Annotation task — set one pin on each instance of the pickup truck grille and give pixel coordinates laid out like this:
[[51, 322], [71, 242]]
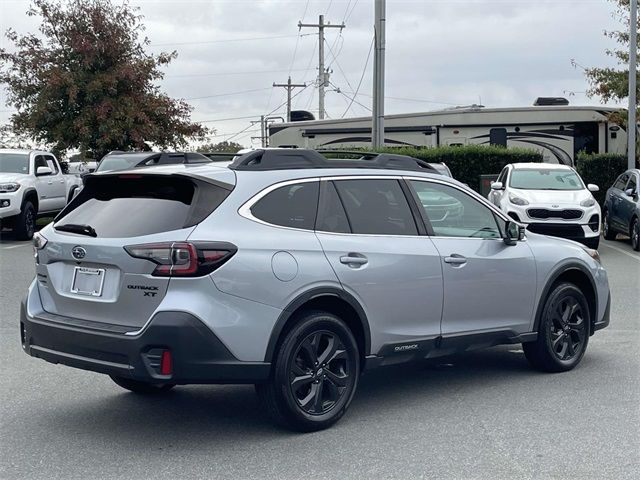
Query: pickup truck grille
[[543, 213]]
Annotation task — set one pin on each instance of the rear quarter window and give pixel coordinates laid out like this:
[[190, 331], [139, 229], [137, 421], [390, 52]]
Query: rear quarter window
[[293, 206]]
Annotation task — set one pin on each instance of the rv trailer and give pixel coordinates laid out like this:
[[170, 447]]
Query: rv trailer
[[557, 130]]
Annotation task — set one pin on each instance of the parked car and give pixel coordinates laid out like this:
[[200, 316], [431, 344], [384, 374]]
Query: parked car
[[32, 185], [549, 199], [296, 273], [622, 208], [114, 161]]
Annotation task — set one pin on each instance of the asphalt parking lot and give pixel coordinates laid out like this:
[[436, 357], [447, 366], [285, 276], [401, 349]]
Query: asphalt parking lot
[[481, 415]]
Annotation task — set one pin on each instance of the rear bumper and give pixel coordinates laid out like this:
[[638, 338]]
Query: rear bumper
[[198, 355]]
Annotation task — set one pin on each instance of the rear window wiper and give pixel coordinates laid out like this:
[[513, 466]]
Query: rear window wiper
[[87, 230]]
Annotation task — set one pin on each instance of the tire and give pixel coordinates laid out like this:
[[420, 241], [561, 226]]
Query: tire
[[593, 243], [25, 225], [563, 331], [323, 390], [144, 388], [607, 232], [635, 234]]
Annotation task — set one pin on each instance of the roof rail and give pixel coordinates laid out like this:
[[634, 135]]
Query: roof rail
[[285, 159]]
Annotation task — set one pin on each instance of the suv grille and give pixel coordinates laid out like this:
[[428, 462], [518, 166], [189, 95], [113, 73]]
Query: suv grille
[[543, 213]]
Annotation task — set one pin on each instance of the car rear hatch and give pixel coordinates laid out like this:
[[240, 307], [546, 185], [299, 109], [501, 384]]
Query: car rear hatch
[[111, 252]]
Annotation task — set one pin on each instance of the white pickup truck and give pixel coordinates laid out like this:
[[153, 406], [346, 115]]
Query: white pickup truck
[[32, 185]]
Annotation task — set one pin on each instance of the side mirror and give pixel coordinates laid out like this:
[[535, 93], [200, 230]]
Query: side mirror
[[497, 186], [512, 233], [40, 171], [629, 192], [593, 188]]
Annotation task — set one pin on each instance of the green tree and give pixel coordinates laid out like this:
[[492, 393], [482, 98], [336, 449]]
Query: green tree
[[613, 83], [225, 146], [86, 81]]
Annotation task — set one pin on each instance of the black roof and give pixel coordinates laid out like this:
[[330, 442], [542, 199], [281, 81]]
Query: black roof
[[286, 158]]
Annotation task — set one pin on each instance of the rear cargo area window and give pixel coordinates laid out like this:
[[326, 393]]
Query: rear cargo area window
[[292, 206], [133, 205]]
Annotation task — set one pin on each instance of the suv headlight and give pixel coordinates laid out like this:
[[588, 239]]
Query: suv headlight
[[589, 202], [9, 187], [518, 200]]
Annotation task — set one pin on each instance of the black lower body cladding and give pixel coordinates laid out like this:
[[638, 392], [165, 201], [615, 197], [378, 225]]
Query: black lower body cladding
[[198, 356]]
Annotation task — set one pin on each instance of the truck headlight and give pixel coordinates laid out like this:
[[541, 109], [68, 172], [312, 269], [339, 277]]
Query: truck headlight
[[589, 202], [9, 187], [517, 200]]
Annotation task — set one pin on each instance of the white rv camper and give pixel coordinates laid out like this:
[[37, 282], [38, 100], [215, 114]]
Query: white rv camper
[[558, 131]]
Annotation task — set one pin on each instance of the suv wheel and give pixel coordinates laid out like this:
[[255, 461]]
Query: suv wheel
[[635, 234], [607, 231], [315, 374], [25, 225], [146, 388], [563, 331]]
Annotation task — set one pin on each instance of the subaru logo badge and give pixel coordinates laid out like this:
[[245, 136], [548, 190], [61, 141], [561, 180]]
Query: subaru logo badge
[[78, 252]]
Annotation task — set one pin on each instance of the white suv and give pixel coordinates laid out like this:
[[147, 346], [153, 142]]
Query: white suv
[[549, 199]]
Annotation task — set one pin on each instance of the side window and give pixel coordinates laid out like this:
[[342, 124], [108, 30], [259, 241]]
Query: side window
[[292, 206], [39, 162], [331, 214], [633, 184], [52, 164], [621, 182], [453, 213], [376, 207]]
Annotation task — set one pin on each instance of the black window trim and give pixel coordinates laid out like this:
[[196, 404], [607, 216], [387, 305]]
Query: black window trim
[[498, 214]]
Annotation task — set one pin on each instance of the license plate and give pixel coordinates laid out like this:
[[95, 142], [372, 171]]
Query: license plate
[[87, 281]]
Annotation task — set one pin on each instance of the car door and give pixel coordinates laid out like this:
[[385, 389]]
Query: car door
[[58, 184], [617, 199], [627, 205], [45, 187], [371, 239], [488, 285]]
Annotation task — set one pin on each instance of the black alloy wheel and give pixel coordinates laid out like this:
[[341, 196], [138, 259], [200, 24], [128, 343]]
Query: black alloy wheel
[[319, 372], [607, 231], [315, 373], [635, 235], [567, 329], [563, 330]]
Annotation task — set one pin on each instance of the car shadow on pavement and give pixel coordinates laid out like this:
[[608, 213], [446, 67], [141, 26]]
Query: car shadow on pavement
[[206, 414]]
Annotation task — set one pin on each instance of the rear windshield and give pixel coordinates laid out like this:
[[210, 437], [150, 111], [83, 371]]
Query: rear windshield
[[545, 179], [122, 162], [130, 206]]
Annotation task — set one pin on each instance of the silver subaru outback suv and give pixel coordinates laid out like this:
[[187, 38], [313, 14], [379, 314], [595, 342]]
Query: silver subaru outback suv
[[297, 272]]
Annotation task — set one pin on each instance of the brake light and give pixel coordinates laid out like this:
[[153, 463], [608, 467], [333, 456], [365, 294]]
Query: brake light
[[183, 259]]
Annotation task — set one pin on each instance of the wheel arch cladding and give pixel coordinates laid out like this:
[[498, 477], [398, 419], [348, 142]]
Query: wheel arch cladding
[[578, 275], [31, 196], [331, 300]]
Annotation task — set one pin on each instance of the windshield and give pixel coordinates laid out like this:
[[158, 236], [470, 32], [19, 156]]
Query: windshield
[[14, 162], [546, 179]]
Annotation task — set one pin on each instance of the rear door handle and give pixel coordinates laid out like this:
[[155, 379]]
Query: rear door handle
[[354, 260], [455, 259]]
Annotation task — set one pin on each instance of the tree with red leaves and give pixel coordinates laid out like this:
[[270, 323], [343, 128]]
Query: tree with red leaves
[[86, 82]]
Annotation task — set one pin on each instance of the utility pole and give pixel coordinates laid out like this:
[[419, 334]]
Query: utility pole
[[263, 128], [633, 74], [323, 75], [377, 137], [289, 86]]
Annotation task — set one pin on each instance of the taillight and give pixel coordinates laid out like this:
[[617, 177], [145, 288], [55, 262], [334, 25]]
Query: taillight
[[183, 259]]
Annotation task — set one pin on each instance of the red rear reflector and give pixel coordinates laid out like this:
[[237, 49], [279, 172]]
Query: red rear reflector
[[166, 363]]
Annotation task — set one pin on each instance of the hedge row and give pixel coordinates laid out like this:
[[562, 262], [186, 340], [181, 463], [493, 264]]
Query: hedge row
[[467, 163], [601, 169]]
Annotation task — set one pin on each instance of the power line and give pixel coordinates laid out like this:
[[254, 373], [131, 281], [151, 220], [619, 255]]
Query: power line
[[248, 39], [295, 50], [420, 100], [352, 9], [364, 70], [216, 74], [229, 94], [306, 70]]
